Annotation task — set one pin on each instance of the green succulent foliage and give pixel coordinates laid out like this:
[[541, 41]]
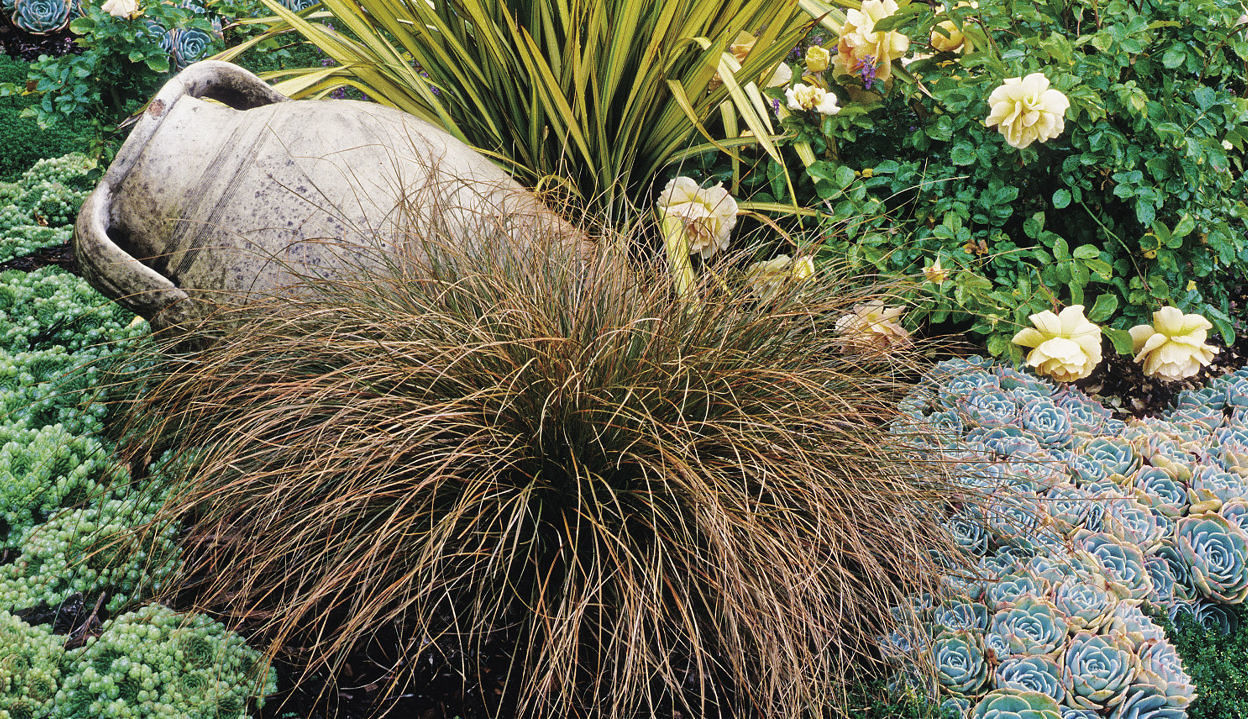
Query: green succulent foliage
[[50, 308], [156, 663], [1138, 203], [45, 470], [104, 547], [38, 210], [30, 667]]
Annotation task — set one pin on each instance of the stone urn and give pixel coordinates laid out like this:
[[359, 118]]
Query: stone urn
[[226, 189]]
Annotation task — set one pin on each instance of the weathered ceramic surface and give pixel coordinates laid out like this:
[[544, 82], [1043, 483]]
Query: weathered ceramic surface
[[226, 189]]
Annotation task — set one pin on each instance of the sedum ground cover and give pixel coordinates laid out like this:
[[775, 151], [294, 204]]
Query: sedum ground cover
[[1097, 533], [69, 511]]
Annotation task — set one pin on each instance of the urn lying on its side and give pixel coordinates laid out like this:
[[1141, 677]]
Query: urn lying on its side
[[227, 189]]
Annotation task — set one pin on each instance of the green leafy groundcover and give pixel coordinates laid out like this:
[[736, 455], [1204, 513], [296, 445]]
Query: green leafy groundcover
[[23, 141], [1094, 535], [68, 511]]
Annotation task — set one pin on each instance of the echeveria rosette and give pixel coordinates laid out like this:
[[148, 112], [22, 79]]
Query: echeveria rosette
[[961, 666], [1012, 588], [1072, 509], [1144, 701], [1015, 516], [955, 706], [1161, 667], [1212, 483], [41, 17], [1217, 555], [1016, 704], [1048, 423], [1032, 674], [1069, 712], [1065, 346], [1097, 670], [1122, 564], [1216, 618], [1155, 488], [1031, 626], [1116, 455], [1132, 624], [1235, 512], [1184, 587], [190, 45], [1135, 524], [991, 409], [955, 614], [1086, 601], [969, 531]]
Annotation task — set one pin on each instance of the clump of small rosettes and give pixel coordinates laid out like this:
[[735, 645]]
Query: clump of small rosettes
[[39, 209], [45, 470], [1086, 529], [154, 662], [107, 547], [30, 668]]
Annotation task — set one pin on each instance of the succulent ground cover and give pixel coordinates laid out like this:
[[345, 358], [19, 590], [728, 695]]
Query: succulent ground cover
[[1095, 532], [76, 637]]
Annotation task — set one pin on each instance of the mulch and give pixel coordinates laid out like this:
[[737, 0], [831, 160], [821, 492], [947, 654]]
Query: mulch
[[16, 43]]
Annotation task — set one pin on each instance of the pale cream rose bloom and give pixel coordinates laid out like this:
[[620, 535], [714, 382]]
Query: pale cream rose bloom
[[125, 9], [873, 326], [767, 277], [949, 37], [1064, 346], [708, 214], [1173, 347], [863, 52], [809, 97], [935, 273], [817, 59], [1026, 109], [740, 50]]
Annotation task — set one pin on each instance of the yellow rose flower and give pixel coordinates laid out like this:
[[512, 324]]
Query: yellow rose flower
[[1026, 109], [125, 9], [1173, 347], [707, 214], [872, 326], [817, 59], [947, 36], [935, 273], [1065, 346], [865, 53], [740, 50], [809, 97], [766, 278]]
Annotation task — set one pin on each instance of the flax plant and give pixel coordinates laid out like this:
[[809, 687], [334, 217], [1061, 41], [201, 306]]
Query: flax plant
[[602, 94], [653, 508]]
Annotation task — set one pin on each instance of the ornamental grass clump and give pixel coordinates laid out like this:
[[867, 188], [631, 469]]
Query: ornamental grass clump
[[648, 506]]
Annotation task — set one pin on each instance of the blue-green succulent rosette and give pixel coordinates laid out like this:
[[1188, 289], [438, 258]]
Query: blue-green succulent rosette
[[1032, 674], [1235, 512], [954, 707], [1097, 670], [1132, 624], [1016, 516], [1072, 509], [1016, 704], [1086, 602], [1161, 667], [1159, 491], [1208, 481], [1100, 458], [1048, 423], [1031, 626], [191, 44], [990, 409], [1121, 564], [1136, 524], [1069, 712], [1184, 587], [40, 17], [960, 663], [1013, 588], [960, 614], [969, 531], [1144, 701], [1217, 555], [1216, 618]]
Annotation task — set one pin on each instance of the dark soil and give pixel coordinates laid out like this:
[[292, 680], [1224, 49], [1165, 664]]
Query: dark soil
[[16, 43]]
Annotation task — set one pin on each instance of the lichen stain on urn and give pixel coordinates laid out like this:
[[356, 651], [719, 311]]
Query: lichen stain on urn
[[227, 190]]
